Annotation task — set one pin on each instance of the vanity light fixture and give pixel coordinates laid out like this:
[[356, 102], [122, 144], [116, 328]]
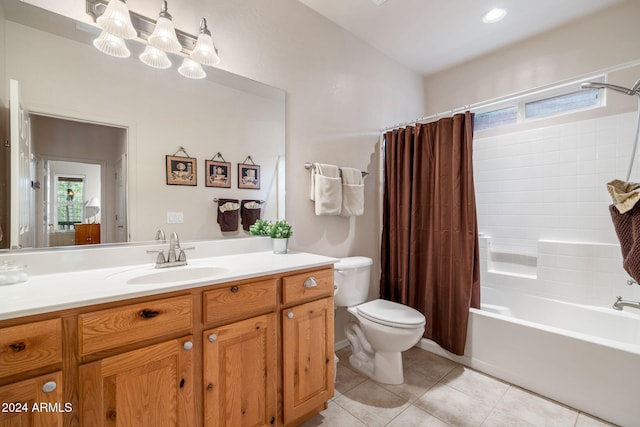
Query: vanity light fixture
[[159, 37], [494, 15], [164, 34]]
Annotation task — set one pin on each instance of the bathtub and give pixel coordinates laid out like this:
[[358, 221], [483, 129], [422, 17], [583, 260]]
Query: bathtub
[[585, 357]]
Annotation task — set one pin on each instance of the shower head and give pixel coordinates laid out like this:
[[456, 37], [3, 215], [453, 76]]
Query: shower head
[[598, 85]]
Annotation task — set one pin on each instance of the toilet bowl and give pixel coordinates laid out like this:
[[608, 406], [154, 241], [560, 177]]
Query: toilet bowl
[[379, 330]]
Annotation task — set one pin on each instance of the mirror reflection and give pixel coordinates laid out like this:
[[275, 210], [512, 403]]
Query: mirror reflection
[[101, 127]]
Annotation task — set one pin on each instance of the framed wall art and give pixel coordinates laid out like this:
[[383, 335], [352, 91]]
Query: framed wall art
[[181, 170], [249, 174], [218, 173]]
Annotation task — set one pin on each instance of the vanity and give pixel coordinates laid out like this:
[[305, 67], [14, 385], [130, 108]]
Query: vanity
[[231, 339]]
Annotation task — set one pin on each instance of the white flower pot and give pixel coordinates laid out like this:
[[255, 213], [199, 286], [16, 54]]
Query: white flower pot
[[280, 245]]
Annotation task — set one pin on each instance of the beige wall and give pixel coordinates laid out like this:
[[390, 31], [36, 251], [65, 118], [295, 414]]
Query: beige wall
[[590, 44], [340, 93]]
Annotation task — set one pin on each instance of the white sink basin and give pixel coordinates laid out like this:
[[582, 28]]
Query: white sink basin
[[183, 274]]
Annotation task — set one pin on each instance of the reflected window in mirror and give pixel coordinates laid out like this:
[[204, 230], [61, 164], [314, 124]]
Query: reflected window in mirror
[[69, 209]]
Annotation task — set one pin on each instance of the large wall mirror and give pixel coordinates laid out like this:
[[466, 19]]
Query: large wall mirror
[[99, 129]]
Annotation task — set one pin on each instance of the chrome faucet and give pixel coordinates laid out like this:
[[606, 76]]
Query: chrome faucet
[[176, 255], [160, 235], [620, 304]]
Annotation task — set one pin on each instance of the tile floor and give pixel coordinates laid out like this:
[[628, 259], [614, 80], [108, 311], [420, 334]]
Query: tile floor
[[438, 392]]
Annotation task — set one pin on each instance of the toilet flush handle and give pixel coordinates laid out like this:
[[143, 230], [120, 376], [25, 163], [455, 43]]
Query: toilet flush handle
[[310, 282]]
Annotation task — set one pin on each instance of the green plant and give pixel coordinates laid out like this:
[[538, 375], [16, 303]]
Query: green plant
[[260, 228], [280, 230]]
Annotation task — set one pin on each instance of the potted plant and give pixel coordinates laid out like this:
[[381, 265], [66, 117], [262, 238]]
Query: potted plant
[[280, 231], [260, 228]]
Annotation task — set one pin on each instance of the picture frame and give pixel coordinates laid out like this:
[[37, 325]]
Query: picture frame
[[248, 176], [218, 174], [181, 171]]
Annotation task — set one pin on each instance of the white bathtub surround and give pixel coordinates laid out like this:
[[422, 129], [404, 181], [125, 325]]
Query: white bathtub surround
[[583, 356], [69, 278]]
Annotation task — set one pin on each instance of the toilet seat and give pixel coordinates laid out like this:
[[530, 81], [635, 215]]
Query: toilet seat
[[391, 313]]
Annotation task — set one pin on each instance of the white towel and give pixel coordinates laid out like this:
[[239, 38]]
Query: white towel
[[352, 192], [326, 189], [624, 195], [229, 206]]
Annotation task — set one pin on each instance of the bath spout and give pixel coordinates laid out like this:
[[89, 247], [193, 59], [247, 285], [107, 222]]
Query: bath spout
[[620, 304]]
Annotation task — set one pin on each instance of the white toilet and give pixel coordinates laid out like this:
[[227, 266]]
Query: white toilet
[[379, 330]]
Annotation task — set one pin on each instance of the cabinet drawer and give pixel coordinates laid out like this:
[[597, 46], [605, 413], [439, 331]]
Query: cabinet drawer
[[307, 286], [235, 302], [30, 346], [110, 328]]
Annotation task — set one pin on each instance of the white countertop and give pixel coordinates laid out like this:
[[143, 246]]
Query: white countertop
[[51, 292]]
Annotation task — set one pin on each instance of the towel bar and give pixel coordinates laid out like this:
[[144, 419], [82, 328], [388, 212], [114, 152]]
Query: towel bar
[[310, 165], [260, 201]]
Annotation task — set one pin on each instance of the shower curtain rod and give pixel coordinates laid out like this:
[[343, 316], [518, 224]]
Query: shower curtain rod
[[512, 96]]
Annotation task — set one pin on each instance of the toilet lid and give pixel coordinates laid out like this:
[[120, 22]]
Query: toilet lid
[[391, 313]]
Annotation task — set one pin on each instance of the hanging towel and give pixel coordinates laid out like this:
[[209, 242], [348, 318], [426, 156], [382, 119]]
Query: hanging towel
[[624, 194], [326, 188], [228, 214], [352, 192], [249, 213], [627, 226]]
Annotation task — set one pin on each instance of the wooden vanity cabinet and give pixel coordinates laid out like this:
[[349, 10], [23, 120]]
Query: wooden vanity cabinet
[[32, 400], [240, 373], [307, 344], [254, 352], [148, 387], [240, 355]]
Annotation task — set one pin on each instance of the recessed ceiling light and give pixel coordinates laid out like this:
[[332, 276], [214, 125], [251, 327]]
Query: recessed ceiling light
[[494, 15], [378, 2]]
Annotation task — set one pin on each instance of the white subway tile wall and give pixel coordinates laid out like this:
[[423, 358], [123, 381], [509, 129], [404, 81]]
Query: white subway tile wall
[[543, 209]]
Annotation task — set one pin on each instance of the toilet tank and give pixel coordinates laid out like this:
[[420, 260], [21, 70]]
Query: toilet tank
[[352, 277]]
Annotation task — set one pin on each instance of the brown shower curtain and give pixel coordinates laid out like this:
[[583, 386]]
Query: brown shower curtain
[[430, 253]]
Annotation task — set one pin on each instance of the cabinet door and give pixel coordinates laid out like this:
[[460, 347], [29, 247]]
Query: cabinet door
[[307, 357], [240, 373], [149, 387], [36, 402]]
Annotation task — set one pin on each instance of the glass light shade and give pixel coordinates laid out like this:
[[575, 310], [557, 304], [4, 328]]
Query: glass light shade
[[204, 52], [191, 69], [116, 20], [111, 45], [164, 36], [154, 57]]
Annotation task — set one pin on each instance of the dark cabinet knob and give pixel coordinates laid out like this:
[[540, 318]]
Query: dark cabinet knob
[[148, 314]]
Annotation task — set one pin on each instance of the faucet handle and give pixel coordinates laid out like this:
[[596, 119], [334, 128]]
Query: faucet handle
[[160, 259], [182, 256]]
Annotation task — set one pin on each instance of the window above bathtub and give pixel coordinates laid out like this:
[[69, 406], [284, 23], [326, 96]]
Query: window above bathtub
[[540, 104]]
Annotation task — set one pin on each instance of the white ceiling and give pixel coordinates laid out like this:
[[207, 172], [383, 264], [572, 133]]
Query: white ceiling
[[431, 35]]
